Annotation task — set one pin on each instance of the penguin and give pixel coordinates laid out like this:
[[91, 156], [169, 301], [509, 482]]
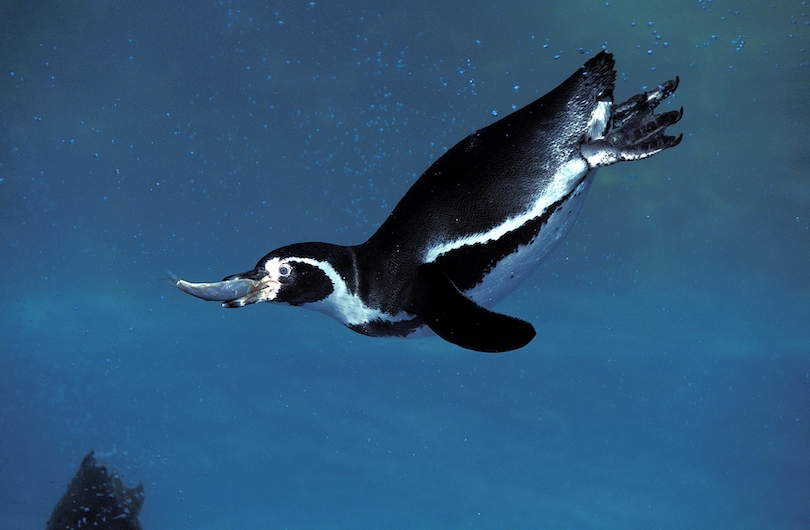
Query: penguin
[[473, 226]]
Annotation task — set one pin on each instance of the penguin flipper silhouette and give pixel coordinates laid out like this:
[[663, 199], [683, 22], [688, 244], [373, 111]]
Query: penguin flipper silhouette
[[459, 320]]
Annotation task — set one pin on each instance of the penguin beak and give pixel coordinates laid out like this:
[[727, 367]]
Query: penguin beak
[[238, 290]]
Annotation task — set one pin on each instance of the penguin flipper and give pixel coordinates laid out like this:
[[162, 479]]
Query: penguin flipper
[[459, 320]]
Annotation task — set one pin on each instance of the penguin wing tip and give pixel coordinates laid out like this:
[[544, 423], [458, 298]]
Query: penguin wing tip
[[521, 335], [459, 320]]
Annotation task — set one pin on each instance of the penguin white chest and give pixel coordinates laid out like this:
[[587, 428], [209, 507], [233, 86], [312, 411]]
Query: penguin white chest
[[519, 243], [508, 272]]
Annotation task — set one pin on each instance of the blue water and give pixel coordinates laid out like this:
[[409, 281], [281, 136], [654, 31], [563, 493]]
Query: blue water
[[668, 386]]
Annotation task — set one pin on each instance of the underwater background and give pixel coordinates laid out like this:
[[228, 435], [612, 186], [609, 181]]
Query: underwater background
[[668, 386]]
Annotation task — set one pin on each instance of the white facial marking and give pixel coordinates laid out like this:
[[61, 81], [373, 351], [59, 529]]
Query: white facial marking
[[269, 285], [341, 304], [273, 267]]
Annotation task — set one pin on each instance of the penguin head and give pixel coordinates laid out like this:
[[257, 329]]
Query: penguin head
[[295, 275]]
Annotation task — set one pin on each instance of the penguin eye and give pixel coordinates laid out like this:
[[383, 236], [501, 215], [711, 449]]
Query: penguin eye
[[284, 270]]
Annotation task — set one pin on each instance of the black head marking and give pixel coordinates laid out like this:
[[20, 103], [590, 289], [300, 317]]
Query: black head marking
[[307, 272], [302, 283]]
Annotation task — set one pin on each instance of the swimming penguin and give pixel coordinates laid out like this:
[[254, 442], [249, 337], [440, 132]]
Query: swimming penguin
[[473, 226]]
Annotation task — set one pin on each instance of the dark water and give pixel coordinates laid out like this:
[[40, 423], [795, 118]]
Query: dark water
[[668, 387]]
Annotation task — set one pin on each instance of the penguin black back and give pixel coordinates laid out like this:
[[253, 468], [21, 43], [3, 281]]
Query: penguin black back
[[486, 179]]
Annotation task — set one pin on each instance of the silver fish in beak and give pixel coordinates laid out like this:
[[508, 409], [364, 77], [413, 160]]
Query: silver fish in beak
[[234, 291]]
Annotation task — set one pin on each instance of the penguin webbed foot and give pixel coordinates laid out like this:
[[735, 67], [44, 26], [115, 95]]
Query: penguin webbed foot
[[459, 320], [638, 132], [644, 102]]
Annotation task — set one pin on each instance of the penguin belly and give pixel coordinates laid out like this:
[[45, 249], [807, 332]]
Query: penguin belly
[[507, 273]]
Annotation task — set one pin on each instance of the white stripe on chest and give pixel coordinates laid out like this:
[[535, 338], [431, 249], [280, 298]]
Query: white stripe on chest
[[344, 306], [507, 274], [559, 186], [563, 181]]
